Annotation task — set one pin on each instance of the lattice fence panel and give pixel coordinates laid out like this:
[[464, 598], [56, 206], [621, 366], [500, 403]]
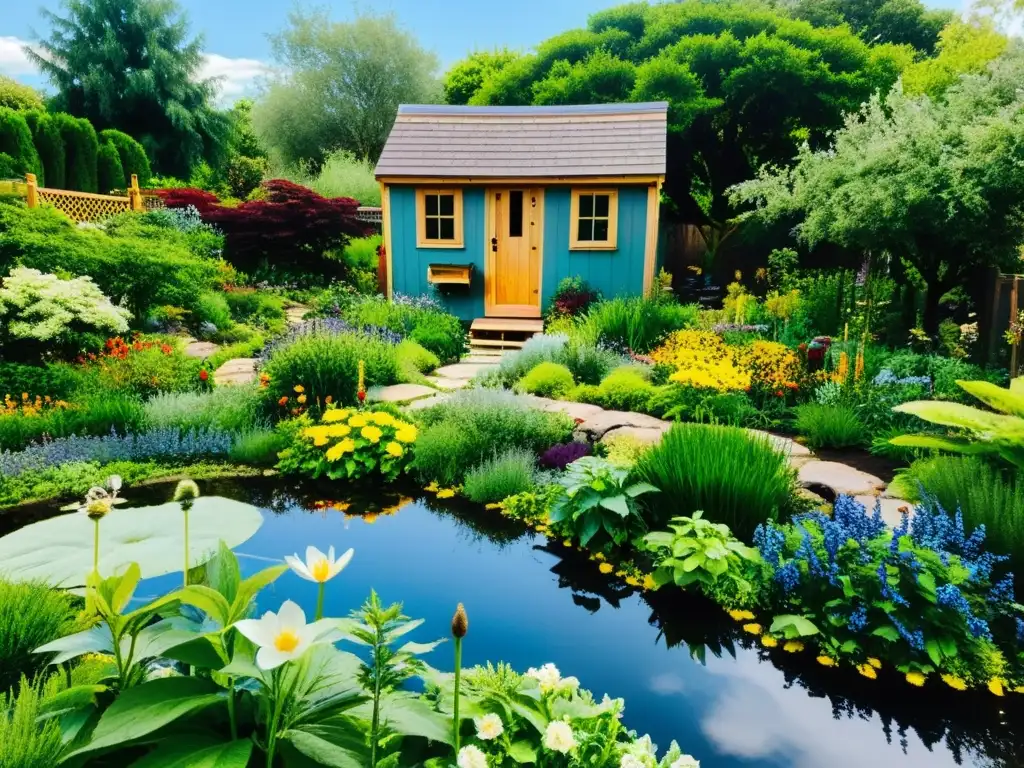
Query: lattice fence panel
[[152, 202], [81, 206]]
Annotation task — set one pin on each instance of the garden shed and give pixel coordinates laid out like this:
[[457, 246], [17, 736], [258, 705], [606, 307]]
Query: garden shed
[[495, 205]]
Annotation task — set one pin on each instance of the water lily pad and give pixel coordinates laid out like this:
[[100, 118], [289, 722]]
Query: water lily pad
[[59, 550]]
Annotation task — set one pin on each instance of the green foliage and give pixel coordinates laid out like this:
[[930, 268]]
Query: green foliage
[[258, 447], [343, 85], [588, 362], [26, 739], [414, 361], [31, 614], [830, 426], [599, 500], [16, 141], [159, 99], [735, 477], [231, 409], [505, 474], [132, 154], [255, 307], [90, 414], [328, 365], [903, 23], [213, 308], [426, 324], [81, 152], [965, 46], [636, 323], [547, 380], [465, 77], [464, 430], [144, 372], [48, 142], [978, 432], [624, 389], [110, 173], [8, 168], [57, 381], [18, 96], [344, 175]]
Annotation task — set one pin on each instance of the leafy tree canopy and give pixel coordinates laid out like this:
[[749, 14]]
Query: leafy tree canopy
[[465, 78], [963, 47], [340, 87], [746, 85], [938, 185], [129, 65], [905, 22], [15, 95]]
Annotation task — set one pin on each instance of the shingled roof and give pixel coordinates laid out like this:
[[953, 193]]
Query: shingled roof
[[555, 142]]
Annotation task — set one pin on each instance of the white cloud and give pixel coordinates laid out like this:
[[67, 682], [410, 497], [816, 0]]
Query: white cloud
[[237, 77], [13, 61]]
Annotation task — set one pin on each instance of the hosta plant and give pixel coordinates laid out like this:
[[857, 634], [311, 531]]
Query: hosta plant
[[999, 431], [597, 499], [350, 444]]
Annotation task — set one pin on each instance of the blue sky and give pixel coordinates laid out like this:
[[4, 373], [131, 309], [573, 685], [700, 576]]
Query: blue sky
[[235, 31]]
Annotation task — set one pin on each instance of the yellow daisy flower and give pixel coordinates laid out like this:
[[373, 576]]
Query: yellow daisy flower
[[741, 615], [826, 661], [373, 434], [868, 671], [446, 493], [954, 682], [606, 567], [406, 434], [339, 430], [995, 685], [358, 421], [394, 449], [301, 399], [768, 641], [916, 678], [754, 629], [382, 419], [338, 450], [792, 646], [335, 414], [299, 389]]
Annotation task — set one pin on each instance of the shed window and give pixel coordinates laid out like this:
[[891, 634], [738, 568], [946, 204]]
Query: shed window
[[439, 218], [594, 219]]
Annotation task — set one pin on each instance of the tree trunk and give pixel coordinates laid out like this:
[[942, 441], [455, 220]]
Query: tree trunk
[[930, 320]]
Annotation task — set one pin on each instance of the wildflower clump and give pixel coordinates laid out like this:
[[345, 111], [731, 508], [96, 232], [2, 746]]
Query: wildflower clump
[[350, 444], [702, 360], [772, 366]]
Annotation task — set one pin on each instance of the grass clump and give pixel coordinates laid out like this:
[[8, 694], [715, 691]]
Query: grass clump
[[547, 380], [624, 389], [414, 361], [31, 614], [503, 475], [638, 323], [258, 447], [25, 740], [830, 426], [735, 477], [234, 408]]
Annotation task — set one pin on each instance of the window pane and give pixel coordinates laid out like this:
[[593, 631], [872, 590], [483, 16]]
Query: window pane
[[447, 229], [601, 205], [586, 205], [585, 230], [600, 229], [447, 205], [515, 213], [432, 229], [431, 204]]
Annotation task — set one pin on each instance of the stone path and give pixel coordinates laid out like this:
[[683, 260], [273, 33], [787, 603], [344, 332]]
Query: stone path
[[200, 349], [294, 314], [241, 370]]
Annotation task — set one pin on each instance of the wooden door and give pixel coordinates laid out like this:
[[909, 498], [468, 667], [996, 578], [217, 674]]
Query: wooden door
[[515, 233]]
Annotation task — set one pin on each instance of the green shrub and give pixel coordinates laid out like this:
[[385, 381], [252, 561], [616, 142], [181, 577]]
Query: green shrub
[[328, 365], [343, 175], [31, 614], [547, 380], [468, 427], [16, 141], [234, 333], [81, 149], [8, 170], [830, 426], [93, 414], [18, 96], [442, 334], [27, 738], [636, 323], [132, 154], [422, 321], [676, 402], [145, 372], [212, 308], [249, 348], [50, 146], [505, 474], [56, 381], [258, 447], [735, 477], [361, 252], [231, 408], [256, 308], [109, 170], [414, 361], [624, 389]]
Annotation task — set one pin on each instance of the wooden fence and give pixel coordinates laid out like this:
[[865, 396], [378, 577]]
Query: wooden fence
[[81, 206]]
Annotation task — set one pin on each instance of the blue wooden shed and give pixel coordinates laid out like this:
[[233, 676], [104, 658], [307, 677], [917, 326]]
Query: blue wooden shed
[[495, 205]]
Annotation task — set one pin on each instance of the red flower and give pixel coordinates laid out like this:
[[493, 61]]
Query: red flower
[[780, 393], [167, 349], [578, 420], [361, 395], [203, 375]]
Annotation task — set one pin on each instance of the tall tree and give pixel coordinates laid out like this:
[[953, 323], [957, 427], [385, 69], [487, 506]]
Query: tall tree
[[340, 86], [936, 185], [130, 65], [965, 46], [15, 95], [905, 22], [465, 78], [746, 85]]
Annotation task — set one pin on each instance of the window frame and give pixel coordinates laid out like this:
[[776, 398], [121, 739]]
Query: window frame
[[609, 244], [421, 218]]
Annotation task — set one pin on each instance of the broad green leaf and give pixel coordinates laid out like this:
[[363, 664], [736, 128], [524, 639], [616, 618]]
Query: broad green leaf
[[887, 633], [338, 743], [693, 562], [956, 415], [146, 708], [591, 525], [126, 588], [71, 698], [223, 573], [203, 652], [175, 754], [243, 662], [157, 638], [659, 539], [95, 640], [522, 752], [59, 550], [950, 444], [1003, 400], [639, 488], [616, 504], [948, 646], [419, 648], [210, 601], [249, 588], [927, 582], [405, 629], [792, 626], [931, 647], [848, 590], [716, 567], [410, 715]]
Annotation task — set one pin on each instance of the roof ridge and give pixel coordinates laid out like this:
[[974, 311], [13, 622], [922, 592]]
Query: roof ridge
[[556, 110]]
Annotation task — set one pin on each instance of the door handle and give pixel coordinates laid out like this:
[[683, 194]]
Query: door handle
[[494, 244]]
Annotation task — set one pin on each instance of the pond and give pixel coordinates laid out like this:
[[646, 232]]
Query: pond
[[530, 602]]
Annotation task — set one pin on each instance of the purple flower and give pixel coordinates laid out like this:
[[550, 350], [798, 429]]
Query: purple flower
[[562, 455]]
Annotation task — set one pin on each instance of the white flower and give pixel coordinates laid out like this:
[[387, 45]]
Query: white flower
[[488, 727], [471, 757], [548, 676], [318, 566], [114, 483], [570, 684], [630, 761], [617, 706], [558, 737], [284, 635], [686, 761], [644, 746]]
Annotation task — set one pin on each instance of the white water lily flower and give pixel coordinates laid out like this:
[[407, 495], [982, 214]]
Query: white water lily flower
[[318, 566], [548, 676], [488, 727], [686, 761], [558, 737], [282, 636], [471, 757]]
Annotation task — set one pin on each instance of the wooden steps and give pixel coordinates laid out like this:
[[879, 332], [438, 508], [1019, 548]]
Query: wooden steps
[[492, 335]]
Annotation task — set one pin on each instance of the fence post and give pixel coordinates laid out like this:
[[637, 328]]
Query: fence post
[[135, 194], [33, 190]]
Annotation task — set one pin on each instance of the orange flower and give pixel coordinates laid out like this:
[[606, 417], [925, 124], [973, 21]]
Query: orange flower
[[283, 401]]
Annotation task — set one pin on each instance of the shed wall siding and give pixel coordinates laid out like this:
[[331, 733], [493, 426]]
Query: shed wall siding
[[614, 273]]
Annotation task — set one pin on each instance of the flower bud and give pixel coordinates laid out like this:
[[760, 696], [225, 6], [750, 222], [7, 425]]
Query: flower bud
[[186, 490], [96, 509], [460, 622]]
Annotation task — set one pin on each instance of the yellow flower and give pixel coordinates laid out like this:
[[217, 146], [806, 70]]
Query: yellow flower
[[633, 581], [598, 556], [492, 505], [876, 663], [335, 414], [301, 399], [358, 420], [567, 543], [432, 487], [446, 493], [649, 582], [741, 615], [406, 434], [826, 661], [373, 434], [995, 685], [338, 430], [370, 518], [606, 567], [793, 646], [620, 574], [754, 629], [299, 389], [394, 449], [768, 641], [382, 419], [338, 450], [1019, 689], [954, 682], [868, 671], [916, 678], [318, 435]]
